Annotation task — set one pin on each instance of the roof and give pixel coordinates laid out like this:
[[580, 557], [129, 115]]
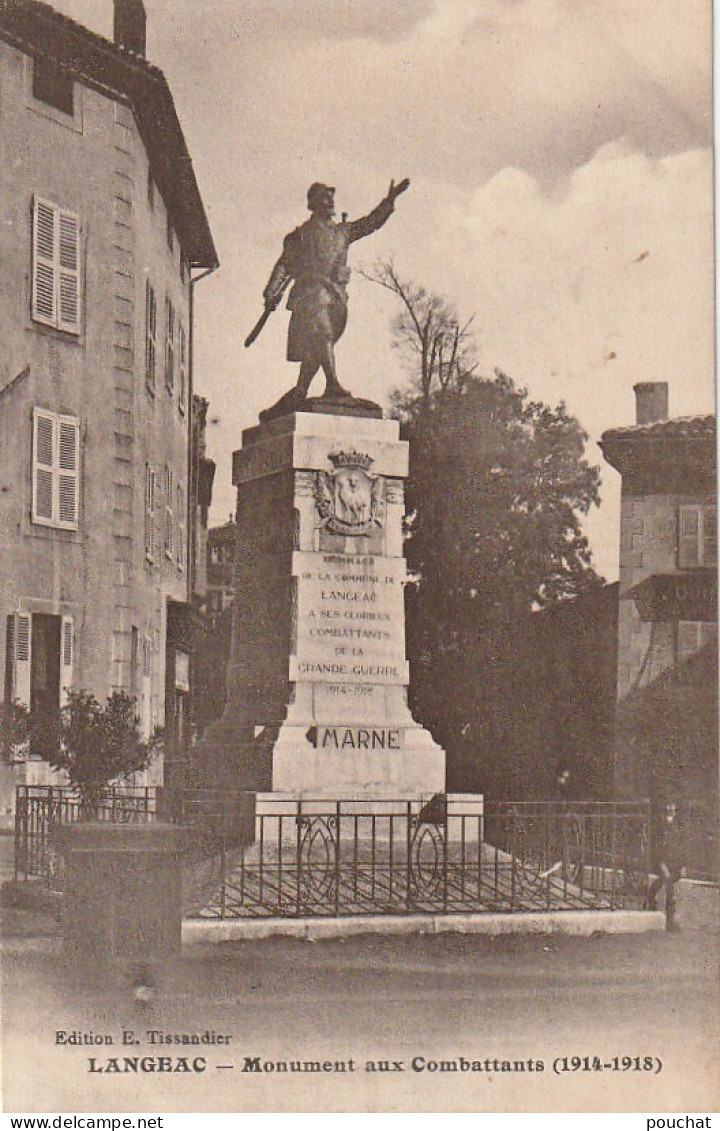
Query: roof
[[681, 427], [39, 30], [668, 455]]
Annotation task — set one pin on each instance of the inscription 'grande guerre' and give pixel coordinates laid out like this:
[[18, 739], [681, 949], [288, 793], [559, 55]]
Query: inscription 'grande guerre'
[[350, 499]]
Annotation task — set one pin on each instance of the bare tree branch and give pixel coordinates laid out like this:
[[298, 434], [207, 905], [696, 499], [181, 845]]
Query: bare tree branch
[[439, 349]]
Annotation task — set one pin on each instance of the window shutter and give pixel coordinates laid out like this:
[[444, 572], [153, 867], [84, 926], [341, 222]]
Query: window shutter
[[150, 335], [67, 658], [689, 537], [169, 345], [183, 369], [44, 305], [22, 646], [69, 272], [181, 546], [169, 519], [43, 466], [68, 472], [146, 703], [150, 488], [710, 548]]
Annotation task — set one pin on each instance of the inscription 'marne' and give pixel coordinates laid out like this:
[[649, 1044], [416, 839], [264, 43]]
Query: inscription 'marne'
[[358, 738]]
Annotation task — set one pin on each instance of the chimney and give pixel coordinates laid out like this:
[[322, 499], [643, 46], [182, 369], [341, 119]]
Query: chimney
[[129, 31], [651, 402]]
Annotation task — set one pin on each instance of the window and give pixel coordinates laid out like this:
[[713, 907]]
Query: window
[[56, 470], [697, 543], [150, 491], [181, 549], [56, 267], [182, 395], [150, 336], [169, 517], [40, 660], [169, 346], [53, 84], [692, 636]]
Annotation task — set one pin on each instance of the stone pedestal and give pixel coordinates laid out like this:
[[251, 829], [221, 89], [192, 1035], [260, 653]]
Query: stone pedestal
[[317, 678]]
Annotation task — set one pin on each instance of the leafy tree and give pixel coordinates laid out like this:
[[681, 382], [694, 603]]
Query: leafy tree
[[14, 730], [95, 745], [498, 484]]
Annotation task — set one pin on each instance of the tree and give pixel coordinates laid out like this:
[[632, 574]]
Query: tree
[[95, 745], [439, 350], [14, 731], [498, 484]]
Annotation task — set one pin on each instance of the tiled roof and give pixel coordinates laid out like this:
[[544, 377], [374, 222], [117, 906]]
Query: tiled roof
[[38, 29], [681, 427]]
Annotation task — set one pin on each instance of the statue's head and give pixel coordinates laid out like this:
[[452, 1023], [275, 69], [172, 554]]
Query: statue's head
[[321, 199]]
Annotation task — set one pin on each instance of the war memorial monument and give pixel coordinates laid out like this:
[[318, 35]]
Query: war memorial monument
[[317, 680]]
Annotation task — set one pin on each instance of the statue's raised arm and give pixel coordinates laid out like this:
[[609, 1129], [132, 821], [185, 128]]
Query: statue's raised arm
[[314, 260]]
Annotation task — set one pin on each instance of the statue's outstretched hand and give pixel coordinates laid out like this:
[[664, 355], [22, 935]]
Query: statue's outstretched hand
[[395, 190]]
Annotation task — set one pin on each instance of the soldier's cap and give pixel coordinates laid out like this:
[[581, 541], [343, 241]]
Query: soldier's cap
[[317, 193]]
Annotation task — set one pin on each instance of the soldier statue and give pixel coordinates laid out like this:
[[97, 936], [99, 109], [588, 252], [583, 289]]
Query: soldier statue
[[314, 258]]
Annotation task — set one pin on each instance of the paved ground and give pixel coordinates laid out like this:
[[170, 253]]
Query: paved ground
[[519, 999]]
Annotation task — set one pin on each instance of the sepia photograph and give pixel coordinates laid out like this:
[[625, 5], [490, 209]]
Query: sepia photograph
[[358, 558]]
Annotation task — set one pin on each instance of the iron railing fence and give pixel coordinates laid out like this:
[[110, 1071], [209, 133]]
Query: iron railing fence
[[39, 810], [319, 858]]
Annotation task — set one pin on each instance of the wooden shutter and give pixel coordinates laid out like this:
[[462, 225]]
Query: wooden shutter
[[44, 275], [150, 335], [146, 703], [181, 546], [689, 537], [150, 490], [68, 272], [169, 345], [43, 495], [709, 541], [67, 657], [68, 471], [21, 644], [182, 397], [169, 519]]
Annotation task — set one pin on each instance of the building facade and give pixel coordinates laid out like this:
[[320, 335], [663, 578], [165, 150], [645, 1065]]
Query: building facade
[[103, 237], [220, 567], [666, 718]]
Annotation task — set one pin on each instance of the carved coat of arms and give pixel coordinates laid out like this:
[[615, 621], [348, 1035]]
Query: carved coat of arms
[[350, 499]]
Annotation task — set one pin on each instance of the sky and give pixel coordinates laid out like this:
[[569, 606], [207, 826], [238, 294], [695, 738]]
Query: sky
[[560, 158]]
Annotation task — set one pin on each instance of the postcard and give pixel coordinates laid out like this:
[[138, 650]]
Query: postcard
[[359, 557]]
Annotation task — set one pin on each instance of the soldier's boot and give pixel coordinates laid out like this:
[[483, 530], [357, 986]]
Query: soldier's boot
[[307, 372], [333, 388]]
